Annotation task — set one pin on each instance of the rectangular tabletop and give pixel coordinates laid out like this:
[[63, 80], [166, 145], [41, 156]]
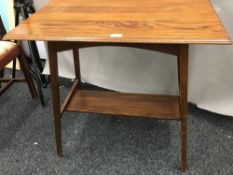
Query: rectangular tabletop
[[129, 21]]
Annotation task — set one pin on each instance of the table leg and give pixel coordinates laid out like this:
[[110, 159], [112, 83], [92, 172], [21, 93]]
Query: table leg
[[55, 95], [183, 88], [77, 66]]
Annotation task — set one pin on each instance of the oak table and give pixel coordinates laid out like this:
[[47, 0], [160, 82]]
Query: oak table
[[167, 26]]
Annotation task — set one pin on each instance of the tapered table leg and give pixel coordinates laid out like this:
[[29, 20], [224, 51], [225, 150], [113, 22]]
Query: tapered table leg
[[77, 64], [183, 88], [55, 95]]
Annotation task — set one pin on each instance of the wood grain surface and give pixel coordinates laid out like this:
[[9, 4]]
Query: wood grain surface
[[126, 104], [131, 21]]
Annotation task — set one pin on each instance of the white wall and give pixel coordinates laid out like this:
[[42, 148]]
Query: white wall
[[39, 3]]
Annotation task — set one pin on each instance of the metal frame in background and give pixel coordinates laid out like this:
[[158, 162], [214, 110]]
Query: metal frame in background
[[24, 8]]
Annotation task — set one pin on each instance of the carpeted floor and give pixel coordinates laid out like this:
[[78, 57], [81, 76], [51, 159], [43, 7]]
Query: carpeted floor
[[100, 145]]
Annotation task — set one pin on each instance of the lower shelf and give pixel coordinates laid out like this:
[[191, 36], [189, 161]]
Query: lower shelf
[[126, 104]]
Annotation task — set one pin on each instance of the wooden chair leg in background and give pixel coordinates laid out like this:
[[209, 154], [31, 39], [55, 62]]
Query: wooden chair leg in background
[[27, 74], [1, 75], [13, 68]]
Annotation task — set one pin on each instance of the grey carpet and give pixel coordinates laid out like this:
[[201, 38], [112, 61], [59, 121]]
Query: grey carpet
[[100, 145]]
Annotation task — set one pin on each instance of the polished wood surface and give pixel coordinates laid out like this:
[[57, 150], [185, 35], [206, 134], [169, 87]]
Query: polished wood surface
[[128, 21], [126, 104]]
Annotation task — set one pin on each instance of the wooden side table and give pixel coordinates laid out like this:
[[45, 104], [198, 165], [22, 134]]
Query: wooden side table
[[167, 26]]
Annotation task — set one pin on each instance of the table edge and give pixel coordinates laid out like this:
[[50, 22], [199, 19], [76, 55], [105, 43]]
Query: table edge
[[120, 40]]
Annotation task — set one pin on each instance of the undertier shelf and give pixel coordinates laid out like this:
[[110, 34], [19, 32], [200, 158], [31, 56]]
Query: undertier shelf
[[124, 104]]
